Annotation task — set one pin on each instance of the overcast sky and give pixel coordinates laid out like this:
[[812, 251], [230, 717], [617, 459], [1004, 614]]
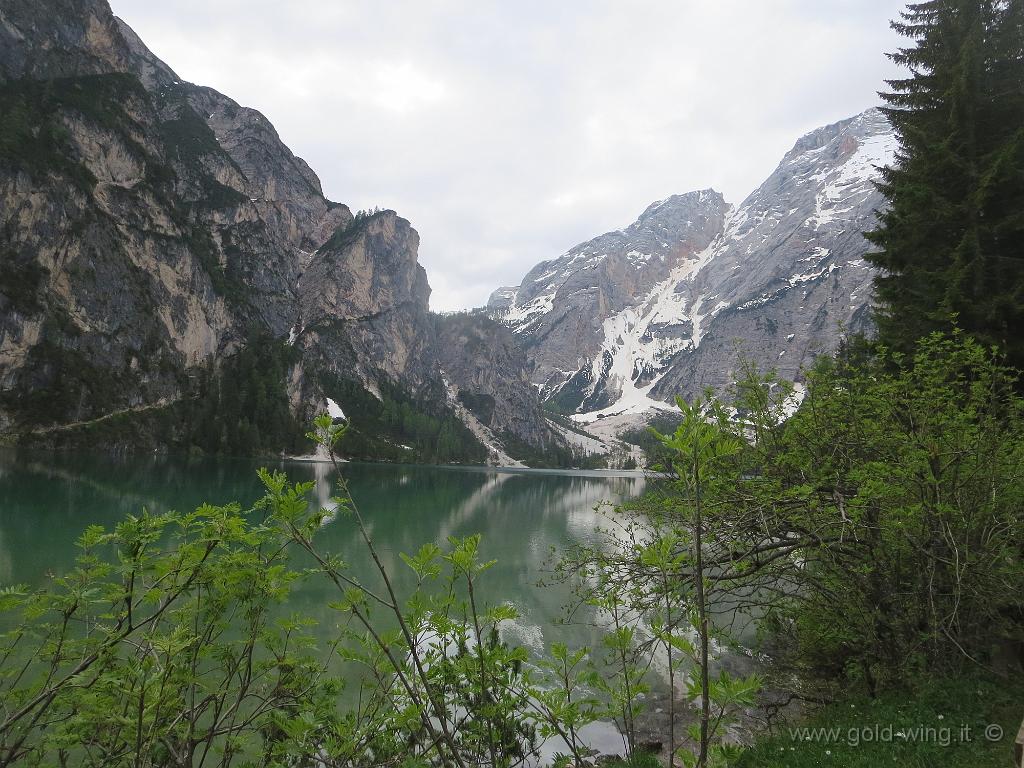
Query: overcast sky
[[507, 132]]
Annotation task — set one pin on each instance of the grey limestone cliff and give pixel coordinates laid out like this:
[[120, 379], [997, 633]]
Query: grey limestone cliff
[[148, 225], [487, 370]]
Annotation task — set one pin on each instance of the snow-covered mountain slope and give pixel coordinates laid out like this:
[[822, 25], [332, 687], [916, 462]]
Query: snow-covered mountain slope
[[672, 304], [572, 310]]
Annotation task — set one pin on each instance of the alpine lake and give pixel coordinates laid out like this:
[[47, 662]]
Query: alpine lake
[[525, 518]]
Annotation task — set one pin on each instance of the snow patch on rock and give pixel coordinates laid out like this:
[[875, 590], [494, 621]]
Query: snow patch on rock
[[334, 410]]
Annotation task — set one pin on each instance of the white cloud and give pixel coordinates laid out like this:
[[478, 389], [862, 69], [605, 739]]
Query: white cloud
[[507, 132]]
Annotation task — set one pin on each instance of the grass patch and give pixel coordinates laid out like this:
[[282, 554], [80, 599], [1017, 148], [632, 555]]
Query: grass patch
[[942, 724]]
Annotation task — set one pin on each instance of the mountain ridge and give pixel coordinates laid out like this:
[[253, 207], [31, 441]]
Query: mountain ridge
[[723, 272], [154, 228]]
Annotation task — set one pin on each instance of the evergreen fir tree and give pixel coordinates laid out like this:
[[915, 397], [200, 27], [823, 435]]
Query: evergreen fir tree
[[951, 244]]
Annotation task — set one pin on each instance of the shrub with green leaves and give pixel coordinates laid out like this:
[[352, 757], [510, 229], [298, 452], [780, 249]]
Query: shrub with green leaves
[[875, 533], [906, 483], [161, 648]]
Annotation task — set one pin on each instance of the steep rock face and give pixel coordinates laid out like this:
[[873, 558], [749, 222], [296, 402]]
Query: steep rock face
[[364, 311], [147, 250], [502, 298], [283, 188], [115, 276], [486, 367], [149, 225], [700, 286], [363, 305], [40, 40]]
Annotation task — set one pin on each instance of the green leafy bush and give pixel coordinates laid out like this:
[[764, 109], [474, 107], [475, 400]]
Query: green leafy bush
[[909, 480]]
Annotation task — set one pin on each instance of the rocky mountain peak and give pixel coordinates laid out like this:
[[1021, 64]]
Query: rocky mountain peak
[[41, 40], [870, 122], [501, 298], [154, 229], [560, 308], [673, 213], [781, 272], [367, 267]]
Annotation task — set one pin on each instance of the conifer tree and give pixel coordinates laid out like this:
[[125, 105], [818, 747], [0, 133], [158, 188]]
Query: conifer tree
[[951, 243]]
